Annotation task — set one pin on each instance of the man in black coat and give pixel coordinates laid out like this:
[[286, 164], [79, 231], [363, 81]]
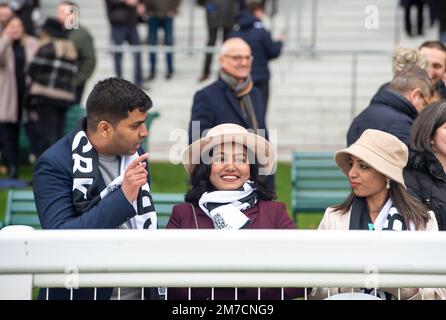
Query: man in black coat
[[232, 98], [393, 110]]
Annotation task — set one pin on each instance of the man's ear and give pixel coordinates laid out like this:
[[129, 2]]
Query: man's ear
[[105, 129], [413, 95]]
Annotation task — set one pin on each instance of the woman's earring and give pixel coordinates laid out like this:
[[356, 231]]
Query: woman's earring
[[388, 183]]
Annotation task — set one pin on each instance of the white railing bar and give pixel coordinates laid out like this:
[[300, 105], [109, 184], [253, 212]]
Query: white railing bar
[[95, 294], [243, 279], [125, 48], [94, 251], [236, 294]]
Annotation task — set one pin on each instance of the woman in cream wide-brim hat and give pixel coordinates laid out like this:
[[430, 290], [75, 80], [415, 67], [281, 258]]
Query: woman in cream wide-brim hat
[[228, 191], [378, 201]]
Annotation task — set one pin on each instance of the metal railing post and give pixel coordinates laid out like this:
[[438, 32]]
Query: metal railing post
[[354, 85], [314, 23], [397, 29], [190, 37]]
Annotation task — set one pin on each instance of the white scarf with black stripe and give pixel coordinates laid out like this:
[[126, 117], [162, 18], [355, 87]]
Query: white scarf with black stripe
[[225, 207], [86, 177]]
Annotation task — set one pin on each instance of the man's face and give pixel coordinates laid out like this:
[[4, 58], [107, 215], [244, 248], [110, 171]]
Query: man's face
[[64, 14], [5, 14], [128, 135], [436, 63], [237, 61]]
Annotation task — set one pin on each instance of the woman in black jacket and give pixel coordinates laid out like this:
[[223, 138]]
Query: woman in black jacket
[[425, 174]]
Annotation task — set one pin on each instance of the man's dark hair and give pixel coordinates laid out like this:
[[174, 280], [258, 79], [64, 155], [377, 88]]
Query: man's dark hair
[[199, 183], [252, 6], [433, 45], [112, 99]]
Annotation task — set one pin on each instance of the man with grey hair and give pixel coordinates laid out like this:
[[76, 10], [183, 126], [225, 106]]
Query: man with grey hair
[[394, 109], [232, 98]]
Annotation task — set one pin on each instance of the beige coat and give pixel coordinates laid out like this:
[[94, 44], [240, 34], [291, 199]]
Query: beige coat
[[335, 220], [8, 87]]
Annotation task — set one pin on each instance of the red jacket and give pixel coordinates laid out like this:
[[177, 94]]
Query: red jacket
[[264, 215]]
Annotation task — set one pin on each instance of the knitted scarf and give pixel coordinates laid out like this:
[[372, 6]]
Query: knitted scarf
[[225, 207], [388, 219], [242, 91], [86, 177]]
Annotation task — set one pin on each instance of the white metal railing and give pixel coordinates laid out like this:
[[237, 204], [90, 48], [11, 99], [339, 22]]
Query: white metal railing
[[207, 258]]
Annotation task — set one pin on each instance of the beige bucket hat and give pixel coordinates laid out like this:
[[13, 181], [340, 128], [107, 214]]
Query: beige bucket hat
[[265, 155], [381, 150]]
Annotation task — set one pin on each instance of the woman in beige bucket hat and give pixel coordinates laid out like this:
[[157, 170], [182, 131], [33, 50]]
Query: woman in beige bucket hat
[[378, 201], [227, 191]]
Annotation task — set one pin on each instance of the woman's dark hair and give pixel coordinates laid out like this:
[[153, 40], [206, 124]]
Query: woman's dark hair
[[199, 183], [408, 206], [112, 99], [427, 122]]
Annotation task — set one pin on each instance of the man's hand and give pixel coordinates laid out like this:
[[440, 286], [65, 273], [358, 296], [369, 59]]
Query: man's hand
[[135, 177]]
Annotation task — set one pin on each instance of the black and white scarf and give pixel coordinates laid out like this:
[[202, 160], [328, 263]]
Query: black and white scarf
[[225, 207], [388, 219], [242, 91], [86, 178]]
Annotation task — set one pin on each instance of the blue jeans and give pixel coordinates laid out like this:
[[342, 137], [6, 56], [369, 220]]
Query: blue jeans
[[165, 23], [130, 34]]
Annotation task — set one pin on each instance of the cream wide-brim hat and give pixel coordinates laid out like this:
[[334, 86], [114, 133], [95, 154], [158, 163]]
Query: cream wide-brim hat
[[381, 150], [198, 151]]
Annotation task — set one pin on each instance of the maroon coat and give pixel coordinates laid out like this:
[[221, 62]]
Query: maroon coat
[[264, 215]]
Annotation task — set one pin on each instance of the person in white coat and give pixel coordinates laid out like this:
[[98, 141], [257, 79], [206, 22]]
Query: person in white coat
[[378, 201]]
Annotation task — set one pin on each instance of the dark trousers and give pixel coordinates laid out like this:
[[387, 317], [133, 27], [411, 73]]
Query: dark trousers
[[420, 19], [212, 39], [166, 24], [47, 124], [9, 144], [130, 34], [263, 86]]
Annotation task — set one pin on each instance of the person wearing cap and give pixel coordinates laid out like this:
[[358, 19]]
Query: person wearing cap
[[378, 201], [52, 91], [228, 191], [425, 172]]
